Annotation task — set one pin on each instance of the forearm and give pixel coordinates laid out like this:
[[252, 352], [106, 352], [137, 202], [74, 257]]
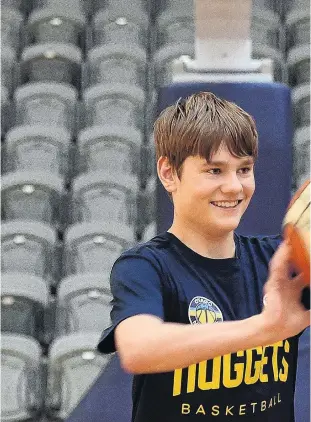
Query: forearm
[[169, 346]]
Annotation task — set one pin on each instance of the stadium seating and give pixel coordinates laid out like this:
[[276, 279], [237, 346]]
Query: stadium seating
[[111, 149], [83, 304], [99, 196], [32, 196], [24, 300], [42, 147], [117, 63], [47, 25], [94, 246], [72, 368], [8, 68], [43, 103], [116, 104], [58, 62], [112, 26], [22, 385], [11, 25], [29, 247]]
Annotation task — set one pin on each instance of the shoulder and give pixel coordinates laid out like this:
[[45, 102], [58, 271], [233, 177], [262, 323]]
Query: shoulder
[[150, 252], [266, 244]]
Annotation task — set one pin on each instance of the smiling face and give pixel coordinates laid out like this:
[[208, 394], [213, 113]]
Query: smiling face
[[205, 198]]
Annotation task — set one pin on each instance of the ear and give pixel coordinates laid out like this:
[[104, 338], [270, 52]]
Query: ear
[[166, 174]]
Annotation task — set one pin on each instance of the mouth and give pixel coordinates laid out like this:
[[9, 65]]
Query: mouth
[[226, 205]]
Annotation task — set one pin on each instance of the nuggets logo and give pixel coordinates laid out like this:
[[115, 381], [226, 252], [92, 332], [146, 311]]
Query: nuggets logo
[[203, 311]]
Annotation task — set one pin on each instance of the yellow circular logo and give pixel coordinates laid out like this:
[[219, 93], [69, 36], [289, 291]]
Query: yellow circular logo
[[203, 311]]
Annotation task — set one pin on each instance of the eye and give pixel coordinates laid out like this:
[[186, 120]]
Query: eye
[[214, 171], [245, 170]]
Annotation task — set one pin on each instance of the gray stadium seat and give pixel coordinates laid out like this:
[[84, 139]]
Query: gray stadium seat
[[148, 161], [117, 64], [56, 62], [298, 27], [83, 304], [8, 69], [147, 204], [59, 5], [298, 62], [163, 58], [301, 155], [301, 103], [46, 103], [34, 196], [149, 232], [5, 109], [113, 26], [175, 25], [35, 147], [61, 26], [24, 299], [22, 391], [11, 21], [186, 5], [29, 247], [104, 196], [93, 247], [74, 365], [15, 4], [279, 68], [114, 104], [111, 149], [121, 5], [296, 4], [266, 28], [266, 4]]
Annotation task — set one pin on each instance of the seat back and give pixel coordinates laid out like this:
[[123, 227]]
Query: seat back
[[83, 304], [74, 365], [21, 380]]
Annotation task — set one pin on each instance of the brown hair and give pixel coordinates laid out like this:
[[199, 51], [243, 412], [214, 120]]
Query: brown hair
[[199, 125]]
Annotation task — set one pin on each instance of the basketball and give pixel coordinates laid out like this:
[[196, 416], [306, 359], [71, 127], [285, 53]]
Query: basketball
[[296, 230]]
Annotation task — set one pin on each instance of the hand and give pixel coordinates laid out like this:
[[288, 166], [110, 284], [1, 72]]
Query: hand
[[283, 312]]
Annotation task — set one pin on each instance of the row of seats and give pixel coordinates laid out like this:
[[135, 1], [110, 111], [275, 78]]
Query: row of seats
[[33, 385], [99, 196], [85, 7], [297, 21], [47, 103], [108, 148], [70, 26], [81, 304], [63, 63], [35, 248]]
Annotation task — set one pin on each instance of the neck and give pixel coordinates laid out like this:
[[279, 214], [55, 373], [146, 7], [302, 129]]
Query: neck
[[209, 245]]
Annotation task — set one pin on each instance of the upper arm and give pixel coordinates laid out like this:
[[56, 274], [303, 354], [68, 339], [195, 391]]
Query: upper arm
[[136, 287], [132, 332]]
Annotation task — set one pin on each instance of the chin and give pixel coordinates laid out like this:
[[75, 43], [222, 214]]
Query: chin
[[227, 228]]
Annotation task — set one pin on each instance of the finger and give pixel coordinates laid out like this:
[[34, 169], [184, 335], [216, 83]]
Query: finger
[[298, 280], [280, 262]]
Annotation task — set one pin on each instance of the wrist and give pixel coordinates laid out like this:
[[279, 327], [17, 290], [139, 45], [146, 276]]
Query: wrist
[[266, 329]]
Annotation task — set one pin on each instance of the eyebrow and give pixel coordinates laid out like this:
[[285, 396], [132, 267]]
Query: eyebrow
[[225, 163]]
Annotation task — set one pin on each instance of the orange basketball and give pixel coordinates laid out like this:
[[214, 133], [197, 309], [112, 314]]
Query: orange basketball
[[296, 230]]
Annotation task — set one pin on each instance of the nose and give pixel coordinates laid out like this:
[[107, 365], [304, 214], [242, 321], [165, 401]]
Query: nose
[[231, 184]]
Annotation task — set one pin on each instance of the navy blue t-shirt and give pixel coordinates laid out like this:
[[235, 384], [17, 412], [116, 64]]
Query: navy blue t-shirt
[[165, 278]]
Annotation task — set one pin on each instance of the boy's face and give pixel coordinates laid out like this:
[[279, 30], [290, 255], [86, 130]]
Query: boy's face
[[207, 194]]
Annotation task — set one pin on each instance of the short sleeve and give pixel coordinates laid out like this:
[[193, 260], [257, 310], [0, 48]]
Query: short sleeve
[[136, 288]]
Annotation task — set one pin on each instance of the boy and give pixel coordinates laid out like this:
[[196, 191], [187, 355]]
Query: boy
[[191, 317]]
